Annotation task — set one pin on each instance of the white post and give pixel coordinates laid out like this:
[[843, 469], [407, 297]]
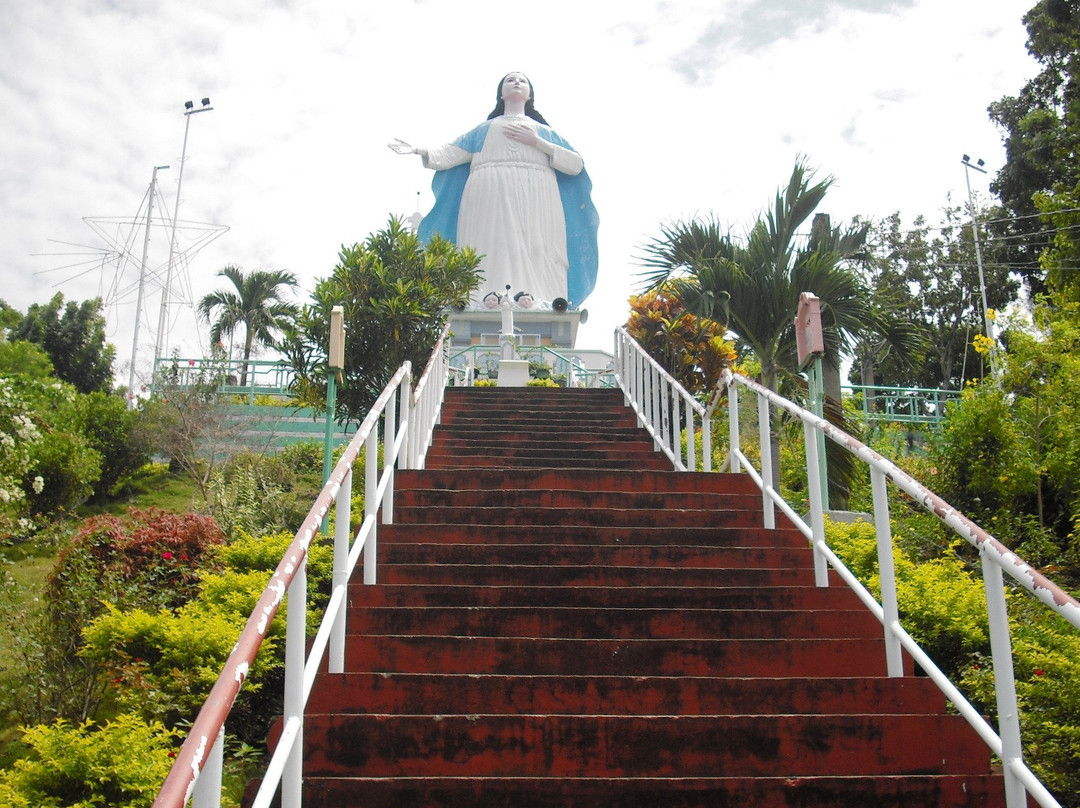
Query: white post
[[765, 439], [292, 779], [371, 485], [342, 540], [1004, 680], [733, 427], [207, 791], [817, 514], [894, 662]]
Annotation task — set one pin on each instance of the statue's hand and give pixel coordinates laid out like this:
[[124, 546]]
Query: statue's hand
[[401, 147], [522, 134]]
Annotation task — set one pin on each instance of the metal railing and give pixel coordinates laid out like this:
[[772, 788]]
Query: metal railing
[[916, 405], [996, 560], [406, 436], [261, 377], [663, 407], [481, 360]]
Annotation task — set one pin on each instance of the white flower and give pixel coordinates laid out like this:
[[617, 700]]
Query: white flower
[[39, 484]]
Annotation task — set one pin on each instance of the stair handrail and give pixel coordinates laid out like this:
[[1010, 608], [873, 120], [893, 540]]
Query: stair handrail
[[197, 770], [996, 559], [662, 405], [427, 399]]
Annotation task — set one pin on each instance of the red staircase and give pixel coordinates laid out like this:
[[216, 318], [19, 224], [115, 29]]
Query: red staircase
[[561, 620]]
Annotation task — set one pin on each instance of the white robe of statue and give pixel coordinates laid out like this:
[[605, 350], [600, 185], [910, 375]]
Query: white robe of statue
[[511, 212]]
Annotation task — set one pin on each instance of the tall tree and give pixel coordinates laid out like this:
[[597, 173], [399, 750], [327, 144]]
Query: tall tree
[[930, 277], [752, 287], [396, 293], [74, 340], [256, 304], [1042, 133]]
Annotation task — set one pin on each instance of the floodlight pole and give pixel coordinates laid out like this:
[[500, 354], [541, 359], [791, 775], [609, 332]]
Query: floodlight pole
[[142, 283], [987, 322], [160, 347]]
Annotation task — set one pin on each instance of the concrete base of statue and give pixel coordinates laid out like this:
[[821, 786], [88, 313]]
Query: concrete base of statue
[[513, 372]]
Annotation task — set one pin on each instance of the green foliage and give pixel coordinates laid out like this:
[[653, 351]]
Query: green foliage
[[75, 341], [151, 559], [69, 469], [122, 763], [266, 493], [395, 292], [1010, 449], [1046, 662], [751, 288], [163, 664], [941, 605], [25, 359], [542, 383], [110, 430], [1042, 136], [691, 349], [18, 436], [929, 277]]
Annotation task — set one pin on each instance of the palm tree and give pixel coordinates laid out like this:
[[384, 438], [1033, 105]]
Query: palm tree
[[256, 304], [752, 286]]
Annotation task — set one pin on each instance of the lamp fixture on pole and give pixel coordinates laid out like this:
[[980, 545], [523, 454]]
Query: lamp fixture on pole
[[160, 347], [987, 322]]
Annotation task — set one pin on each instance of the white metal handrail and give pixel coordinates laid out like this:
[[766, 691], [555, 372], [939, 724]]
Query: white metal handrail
[[196, 772], [996, 559], [663, 407]]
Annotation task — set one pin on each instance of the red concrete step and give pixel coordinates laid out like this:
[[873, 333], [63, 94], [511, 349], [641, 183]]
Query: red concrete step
[[576, 535], [439, 694], [882, 791], [637, 657], [573, 498], [570, 576], [554, 554], [641, 458], [639, 746], [578, 479], [598, 517], [429, 595], [608, 623]]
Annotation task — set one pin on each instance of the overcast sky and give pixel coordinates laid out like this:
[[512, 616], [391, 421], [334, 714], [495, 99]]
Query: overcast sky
[[679, 108]]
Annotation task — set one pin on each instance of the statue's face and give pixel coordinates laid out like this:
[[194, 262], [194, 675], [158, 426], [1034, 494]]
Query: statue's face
[[515, 84]]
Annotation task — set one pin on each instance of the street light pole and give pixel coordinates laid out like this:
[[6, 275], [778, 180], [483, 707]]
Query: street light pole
[[160, 346], [987, 322]]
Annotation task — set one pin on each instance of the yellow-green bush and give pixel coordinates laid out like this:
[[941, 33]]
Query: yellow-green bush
[[122, 763]]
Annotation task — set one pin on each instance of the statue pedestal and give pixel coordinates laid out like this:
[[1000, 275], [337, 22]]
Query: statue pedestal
[[513, 372]]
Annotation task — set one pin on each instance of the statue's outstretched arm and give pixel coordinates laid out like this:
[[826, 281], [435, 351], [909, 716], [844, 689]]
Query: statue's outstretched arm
[[401, 147]]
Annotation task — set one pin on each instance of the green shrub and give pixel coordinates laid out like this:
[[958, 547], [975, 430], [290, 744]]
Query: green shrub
[[108, 426], [68, 467], [150, 560], [162, 665], [122, 763], [941, 605]]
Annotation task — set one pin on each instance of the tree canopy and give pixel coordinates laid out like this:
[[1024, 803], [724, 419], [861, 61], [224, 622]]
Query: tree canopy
[[256, 304], [73, 336], [395, 292], [1042, 135]]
